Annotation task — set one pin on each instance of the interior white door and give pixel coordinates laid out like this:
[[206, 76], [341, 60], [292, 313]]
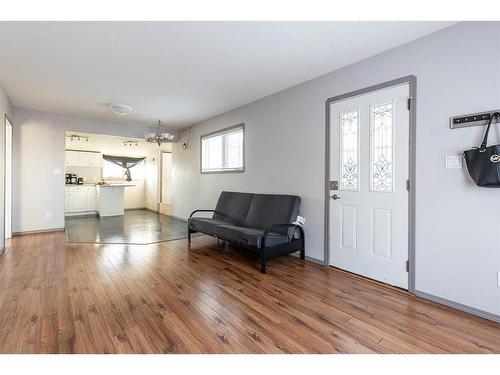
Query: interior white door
[[166, 178], [369, 143]]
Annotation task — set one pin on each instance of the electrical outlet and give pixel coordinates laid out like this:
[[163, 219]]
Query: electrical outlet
[[48, 215]]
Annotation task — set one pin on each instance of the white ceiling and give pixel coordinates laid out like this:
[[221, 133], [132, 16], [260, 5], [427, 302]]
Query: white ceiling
[[179, 72]]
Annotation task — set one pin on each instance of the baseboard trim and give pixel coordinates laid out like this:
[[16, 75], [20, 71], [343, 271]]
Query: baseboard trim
[[314, 260], [136, 209], [16, 234], [81, 214], [2, 250], [178, 218], [459, 306]]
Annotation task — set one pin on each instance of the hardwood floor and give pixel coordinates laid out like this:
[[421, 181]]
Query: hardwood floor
[[167, 298]]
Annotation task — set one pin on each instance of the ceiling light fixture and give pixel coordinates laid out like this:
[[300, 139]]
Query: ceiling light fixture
[[120, 109], [160, 137], [77, 138]]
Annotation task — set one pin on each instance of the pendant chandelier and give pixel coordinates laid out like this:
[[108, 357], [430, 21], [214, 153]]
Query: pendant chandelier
[[160, 137]]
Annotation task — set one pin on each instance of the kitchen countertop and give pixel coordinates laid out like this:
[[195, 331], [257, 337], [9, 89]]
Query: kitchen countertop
[[115, 185], [102, 185]]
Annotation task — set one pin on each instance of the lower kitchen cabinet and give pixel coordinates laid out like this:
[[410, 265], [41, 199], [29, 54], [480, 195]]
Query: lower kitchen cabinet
[[80, 199]]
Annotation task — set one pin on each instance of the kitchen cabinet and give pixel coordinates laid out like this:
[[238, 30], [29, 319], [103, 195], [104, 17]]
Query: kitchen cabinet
[[72, 158], [80, 198], [90, 197], [83, 159], [96, 159], [86, 159]]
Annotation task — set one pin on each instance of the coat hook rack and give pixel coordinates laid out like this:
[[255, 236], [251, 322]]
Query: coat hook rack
[[472, 119]]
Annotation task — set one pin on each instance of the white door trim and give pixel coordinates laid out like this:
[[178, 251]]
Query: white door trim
[[412, 81], [7, 197]]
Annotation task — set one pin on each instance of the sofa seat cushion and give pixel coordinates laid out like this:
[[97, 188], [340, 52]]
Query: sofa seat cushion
[[248, 236], [204, 224]]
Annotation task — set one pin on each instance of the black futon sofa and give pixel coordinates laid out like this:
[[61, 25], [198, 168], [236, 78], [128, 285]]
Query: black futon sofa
[[260, 222]]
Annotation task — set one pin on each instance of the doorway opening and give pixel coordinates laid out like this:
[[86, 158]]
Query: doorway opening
[[112, 192], [370, 182]]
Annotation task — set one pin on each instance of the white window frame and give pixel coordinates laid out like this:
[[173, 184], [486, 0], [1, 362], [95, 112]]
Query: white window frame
[[216, 133]]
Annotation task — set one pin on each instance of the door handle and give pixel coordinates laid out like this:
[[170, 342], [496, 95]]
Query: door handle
[[335, 197]]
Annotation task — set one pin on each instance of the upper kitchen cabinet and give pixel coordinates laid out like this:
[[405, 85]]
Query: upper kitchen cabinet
[[96, 159], [86, 159], [72, 158], [83, 159]]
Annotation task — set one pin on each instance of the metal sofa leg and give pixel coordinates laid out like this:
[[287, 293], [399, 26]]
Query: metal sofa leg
[[189, 235], [263, 266], [219, 249], [302, 251]]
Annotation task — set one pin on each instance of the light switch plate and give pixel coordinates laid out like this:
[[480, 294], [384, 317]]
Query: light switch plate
[[453, 162]]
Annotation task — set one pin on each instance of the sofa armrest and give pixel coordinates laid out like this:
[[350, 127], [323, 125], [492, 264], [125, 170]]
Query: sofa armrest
[[215, 212], [276, 226]]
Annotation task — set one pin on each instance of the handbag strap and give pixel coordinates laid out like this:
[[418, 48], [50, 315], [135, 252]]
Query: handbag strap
[[485, 139]]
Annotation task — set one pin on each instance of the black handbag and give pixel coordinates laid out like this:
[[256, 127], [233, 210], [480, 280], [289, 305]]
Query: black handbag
[[483, 163]]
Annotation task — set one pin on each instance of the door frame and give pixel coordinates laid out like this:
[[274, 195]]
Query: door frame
[[7, 119], [412, 81]]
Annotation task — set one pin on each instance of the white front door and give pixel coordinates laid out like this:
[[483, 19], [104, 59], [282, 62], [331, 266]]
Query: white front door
[[369, 169]]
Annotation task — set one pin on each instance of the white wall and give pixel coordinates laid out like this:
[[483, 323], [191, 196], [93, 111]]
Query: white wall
[[39, 143], [457, 223], [5, 109]]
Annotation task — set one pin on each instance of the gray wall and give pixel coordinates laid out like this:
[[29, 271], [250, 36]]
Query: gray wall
[[457, 224], [39, 143], [5, 109]]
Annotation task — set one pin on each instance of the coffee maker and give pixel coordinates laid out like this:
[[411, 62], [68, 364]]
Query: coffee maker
[[71, 179]]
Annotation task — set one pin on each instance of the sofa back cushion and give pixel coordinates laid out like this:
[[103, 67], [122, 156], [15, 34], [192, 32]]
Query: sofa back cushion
[[233, 207], [268, 209]]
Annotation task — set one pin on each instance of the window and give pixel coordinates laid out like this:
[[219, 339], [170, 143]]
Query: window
[[114, 171], [223, 151], [349, 178], [381, 169]]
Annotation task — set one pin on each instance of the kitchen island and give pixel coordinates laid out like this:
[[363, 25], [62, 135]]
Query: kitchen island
[[110, 199]]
